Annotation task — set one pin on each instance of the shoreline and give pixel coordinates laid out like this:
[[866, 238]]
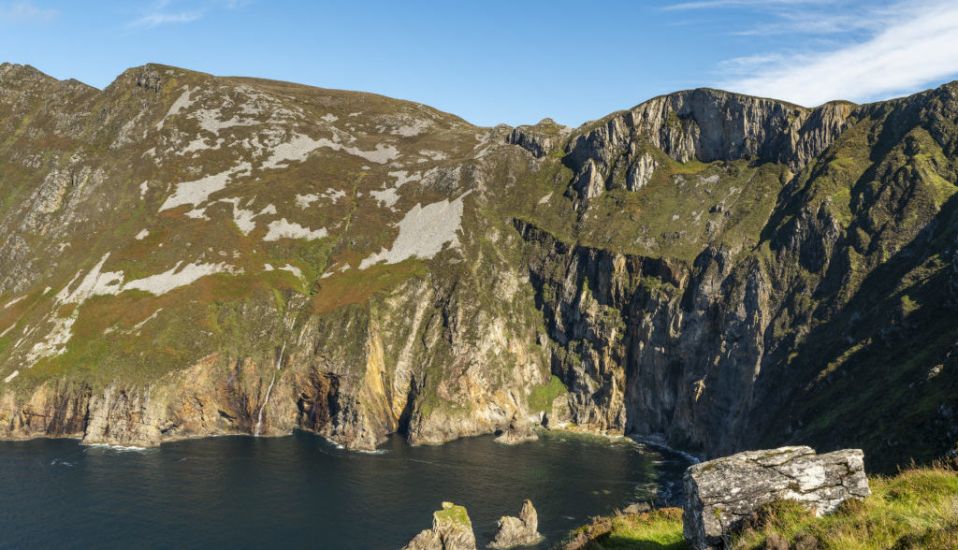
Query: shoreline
[[568, 430]]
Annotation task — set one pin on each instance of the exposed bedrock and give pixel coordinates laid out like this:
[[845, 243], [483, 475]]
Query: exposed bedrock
[[637, 338], [705, 125], [723, 493]]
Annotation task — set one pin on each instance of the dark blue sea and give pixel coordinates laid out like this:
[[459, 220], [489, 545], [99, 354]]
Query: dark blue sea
[[299, 491]]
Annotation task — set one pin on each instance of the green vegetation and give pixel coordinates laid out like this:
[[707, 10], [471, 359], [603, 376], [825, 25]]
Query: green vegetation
[[453, 513], [684, 208], [355, 286], [916, 509], [542, 396], [655, 530]]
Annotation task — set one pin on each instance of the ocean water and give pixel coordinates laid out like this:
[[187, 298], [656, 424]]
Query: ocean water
[[243, 492]]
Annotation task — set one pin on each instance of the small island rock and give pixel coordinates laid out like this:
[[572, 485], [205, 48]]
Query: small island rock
[[451, 530], [519, 431], [518, 531]]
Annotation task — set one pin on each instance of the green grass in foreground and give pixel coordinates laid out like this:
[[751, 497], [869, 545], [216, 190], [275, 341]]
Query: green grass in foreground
[[918, 508], [656, 530]]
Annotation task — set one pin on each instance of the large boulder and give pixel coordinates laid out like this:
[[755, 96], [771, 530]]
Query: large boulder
[[519, 431], [518, 531], [451, 530], [722, 493]]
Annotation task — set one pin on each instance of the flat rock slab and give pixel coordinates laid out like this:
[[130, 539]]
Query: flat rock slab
[[722, 493]]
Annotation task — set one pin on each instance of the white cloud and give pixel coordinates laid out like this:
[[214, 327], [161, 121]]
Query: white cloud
[[713, 4], [156, 19], [813, 22], [918, 46], [159, 13], [20, 12]]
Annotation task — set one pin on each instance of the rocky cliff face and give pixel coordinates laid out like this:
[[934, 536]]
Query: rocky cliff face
[[705, 125], [187, 255]]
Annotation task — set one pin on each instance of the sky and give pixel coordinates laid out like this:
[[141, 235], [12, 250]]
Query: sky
[[507, 61]]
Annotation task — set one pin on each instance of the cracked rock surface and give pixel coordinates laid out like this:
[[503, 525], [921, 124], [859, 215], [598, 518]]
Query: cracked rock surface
[[721, 493]]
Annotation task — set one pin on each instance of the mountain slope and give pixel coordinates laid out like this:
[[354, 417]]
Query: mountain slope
[[189, 255]]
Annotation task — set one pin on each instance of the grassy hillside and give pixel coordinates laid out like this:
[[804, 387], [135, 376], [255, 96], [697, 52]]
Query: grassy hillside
[[918, 508]]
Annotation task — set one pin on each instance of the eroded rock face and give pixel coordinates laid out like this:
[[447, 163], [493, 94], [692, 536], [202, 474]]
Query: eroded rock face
[[539, 139], [518, 531], [721, 493], [705, 125], [451, 530]]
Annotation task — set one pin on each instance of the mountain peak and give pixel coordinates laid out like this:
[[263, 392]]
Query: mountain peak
[[707, 124]]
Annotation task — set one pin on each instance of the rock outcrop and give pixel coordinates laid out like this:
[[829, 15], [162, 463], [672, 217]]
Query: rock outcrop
[[705, 125], [539, 139], [518, 531], [519, 431], [722, 493], [451, 530]]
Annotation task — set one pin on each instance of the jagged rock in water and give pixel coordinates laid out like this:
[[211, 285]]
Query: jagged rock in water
[[451, 530], [518, 531], [518, 431], [722, 493]]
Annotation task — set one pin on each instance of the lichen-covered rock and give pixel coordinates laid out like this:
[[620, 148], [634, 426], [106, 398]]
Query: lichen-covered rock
[[518, 531], [451, 530], [722, 493]]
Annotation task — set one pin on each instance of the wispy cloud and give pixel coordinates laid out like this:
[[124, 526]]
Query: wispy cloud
[[769, 17], [20, 12], [713, 4], [816, 23], [162, 12], [151, 20], [904, 48]]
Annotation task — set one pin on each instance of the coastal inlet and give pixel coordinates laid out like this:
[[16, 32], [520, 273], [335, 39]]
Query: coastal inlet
[[247, 492]]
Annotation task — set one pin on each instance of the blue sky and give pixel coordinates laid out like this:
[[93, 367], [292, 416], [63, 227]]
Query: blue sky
[[499, 61]]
